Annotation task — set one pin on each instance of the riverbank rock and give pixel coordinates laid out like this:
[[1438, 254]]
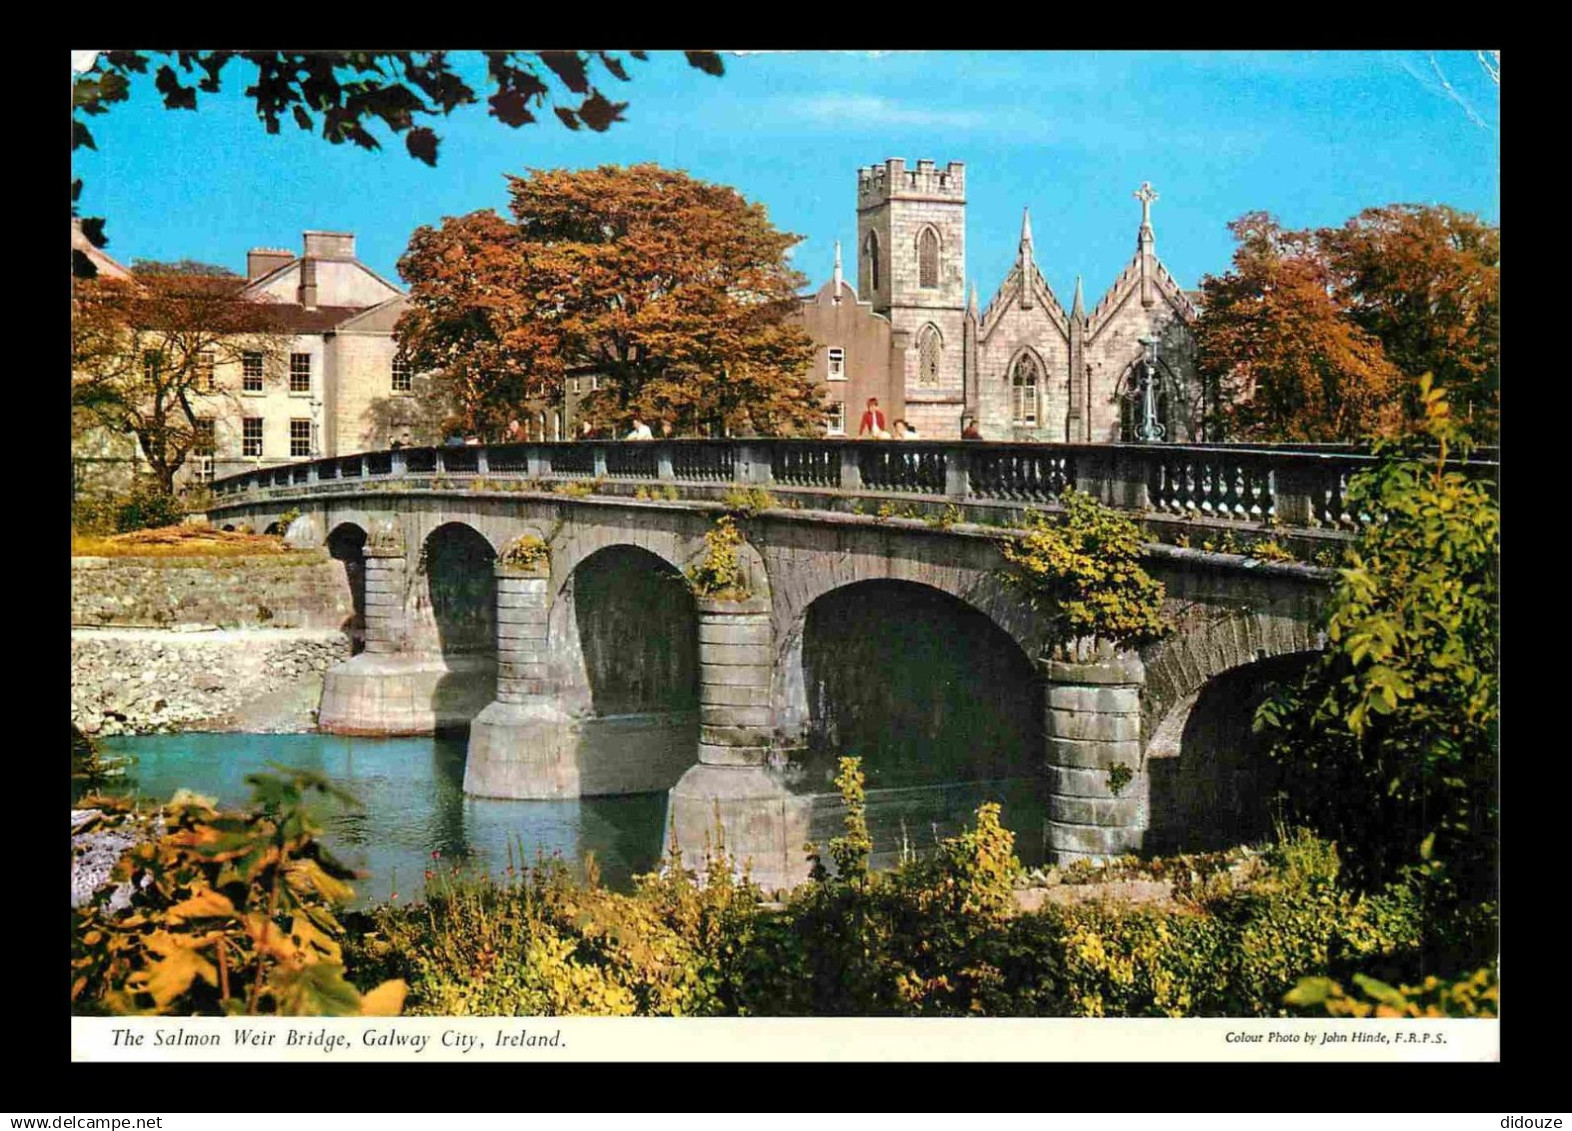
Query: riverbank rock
[[143, 681], [98, 841]]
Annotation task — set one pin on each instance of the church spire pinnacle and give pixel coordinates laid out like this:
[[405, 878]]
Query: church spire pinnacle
[[837, 270], [974, 297], [1145, 195], [1026, 258], [1078, 310]]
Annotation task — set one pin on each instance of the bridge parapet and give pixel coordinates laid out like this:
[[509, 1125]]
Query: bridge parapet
[[1303, 488]]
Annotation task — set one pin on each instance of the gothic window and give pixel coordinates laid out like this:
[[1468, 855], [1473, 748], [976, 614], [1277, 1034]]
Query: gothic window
[[870, 251], [930, 351], [928, 258], [1024, 379]]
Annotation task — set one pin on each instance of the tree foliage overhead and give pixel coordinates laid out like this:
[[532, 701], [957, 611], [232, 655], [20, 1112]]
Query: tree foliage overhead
[[675, 292], [142, 351], [1318, 334], [343, 93]]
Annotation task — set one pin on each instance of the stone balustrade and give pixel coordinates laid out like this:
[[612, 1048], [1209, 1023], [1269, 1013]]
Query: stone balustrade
[[1302, 487]]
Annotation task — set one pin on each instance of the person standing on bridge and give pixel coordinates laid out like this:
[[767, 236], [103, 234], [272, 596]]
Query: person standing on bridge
[[873, 421], [641, 431]]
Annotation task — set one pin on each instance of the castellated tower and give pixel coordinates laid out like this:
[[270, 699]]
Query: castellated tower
[[911, 265]]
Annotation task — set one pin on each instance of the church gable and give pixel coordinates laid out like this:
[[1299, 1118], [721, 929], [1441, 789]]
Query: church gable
[[1042, 308], [1127, 288]]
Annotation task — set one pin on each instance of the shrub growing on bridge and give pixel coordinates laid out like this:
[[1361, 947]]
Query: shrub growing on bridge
[[720, 573], [1083, 570], [527, 551]]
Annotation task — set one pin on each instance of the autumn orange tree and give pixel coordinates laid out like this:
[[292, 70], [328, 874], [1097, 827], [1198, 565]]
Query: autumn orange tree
[[145, 352], [1426, 281], [1274, 343], [1317, 334], [675, 292]]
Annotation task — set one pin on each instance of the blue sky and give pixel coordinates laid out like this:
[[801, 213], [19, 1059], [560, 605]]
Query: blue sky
[[1312, 137]]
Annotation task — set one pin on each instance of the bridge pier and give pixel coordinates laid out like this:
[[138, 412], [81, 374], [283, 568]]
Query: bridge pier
[[1098, 786], [387, 689], [759, 820], [523, 746]]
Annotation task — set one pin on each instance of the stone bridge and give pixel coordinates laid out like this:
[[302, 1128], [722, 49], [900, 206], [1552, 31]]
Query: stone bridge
[[877, 625]]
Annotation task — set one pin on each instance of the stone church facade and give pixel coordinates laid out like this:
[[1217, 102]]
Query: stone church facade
[[1023, 367]]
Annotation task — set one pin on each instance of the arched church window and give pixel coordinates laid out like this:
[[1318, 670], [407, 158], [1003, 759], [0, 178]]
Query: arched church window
[[1025, 376], [870, 251], [928, 258], [930, 352]]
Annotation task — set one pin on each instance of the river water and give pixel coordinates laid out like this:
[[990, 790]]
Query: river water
[[412, 805], [414, 816]]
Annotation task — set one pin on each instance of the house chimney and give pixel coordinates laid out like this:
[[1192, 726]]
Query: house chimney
[[329, 245], [308, 283], [265, 260]]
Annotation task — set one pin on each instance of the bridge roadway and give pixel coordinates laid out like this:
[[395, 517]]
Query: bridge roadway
[[876, 623]]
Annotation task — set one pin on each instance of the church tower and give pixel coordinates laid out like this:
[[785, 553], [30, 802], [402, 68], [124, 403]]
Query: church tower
[[911, 264]]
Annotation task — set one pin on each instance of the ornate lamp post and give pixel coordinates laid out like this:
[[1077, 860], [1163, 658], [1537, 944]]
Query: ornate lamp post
[[1150, 429]]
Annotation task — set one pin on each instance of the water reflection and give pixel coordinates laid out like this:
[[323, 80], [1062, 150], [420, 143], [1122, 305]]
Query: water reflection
[[413, 805]]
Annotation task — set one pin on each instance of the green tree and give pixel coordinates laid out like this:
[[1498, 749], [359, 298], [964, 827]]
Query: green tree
[[343, 93], [1389, 742]]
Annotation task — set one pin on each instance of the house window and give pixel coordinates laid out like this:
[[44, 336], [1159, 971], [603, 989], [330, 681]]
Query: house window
[[251, 436], [151, 364], [928, 258], [300, 439], [835, 419], [837, 363], [203, 380], [930, 351], [300, 373], [401, 375], [594, 384], [870, 253], [1023, 392], [202, 452], [251, 372]]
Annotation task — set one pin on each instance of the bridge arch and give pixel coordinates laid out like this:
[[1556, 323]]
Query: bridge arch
[[455, 591], [626, 630], [920, 682], [346, 544], [1212, 783]]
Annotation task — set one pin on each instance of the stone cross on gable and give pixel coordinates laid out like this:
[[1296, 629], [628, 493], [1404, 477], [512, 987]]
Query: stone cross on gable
[[1146, 195]]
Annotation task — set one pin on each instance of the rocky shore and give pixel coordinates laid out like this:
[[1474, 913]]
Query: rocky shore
[[140, 681]]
